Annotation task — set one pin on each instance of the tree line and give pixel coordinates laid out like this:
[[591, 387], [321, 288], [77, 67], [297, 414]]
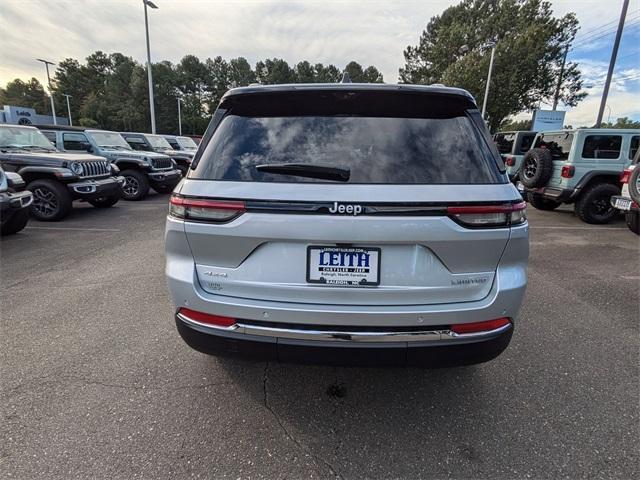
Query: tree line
[[110, 91], [530, 44]]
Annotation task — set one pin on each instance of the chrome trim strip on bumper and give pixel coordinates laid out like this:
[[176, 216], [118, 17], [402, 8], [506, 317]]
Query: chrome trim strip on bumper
[[345, 336]]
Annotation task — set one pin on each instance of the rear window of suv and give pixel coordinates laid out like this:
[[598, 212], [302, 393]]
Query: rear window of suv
[[504, 141], [559, 144], [396, 146]]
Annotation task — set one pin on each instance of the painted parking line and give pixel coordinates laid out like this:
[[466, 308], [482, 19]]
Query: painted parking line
[[75, 229]]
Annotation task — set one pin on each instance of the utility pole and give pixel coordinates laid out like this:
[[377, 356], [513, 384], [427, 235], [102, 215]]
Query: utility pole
[[149, 74], [53, 107], [557, 94], [486, 88], [68, 108], [612, 62]]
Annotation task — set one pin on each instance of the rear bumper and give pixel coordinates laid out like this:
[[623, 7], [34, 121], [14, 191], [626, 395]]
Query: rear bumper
[[561, 195], [438, 351], [90, 189], [633, 206]]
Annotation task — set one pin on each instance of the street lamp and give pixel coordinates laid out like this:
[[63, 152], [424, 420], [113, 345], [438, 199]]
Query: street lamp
[[68, 108], [53, 107], [486, 88], [149, 74], [179, 118]]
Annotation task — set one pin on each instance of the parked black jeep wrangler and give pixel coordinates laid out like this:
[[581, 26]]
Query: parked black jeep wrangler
[[14, 203], [55, 178]]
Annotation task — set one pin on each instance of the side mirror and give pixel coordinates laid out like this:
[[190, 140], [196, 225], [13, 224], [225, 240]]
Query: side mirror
[[88, 147]]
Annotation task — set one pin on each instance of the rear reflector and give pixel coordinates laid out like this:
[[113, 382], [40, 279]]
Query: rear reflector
[[489, 215], [476, 327], [207, 318], [205, 210]]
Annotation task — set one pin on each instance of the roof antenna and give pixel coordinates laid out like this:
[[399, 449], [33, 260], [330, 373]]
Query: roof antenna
[[345, 77]]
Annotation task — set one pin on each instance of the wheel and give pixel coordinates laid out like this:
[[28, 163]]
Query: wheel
[[594, 205], [633, 221], [136, 185], [16, 223], [51, 200], [541, 203], [105, 202], [634, 184], [183, 169], [537, 168], [164, 188]]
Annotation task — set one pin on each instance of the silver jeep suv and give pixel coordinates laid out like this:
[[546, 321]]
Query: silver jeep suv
[[347, 224]]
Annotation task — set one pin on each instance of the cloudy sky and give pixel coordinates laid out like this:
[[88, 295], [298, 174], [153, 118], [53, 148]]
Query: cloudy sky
[[329, 31]]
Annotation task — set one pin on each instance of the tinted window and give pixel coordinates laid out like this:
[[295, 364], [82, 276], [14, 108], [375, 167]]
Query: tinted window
[[51, 136], [504, 141], [558, 143], [75, 141], [525, 143], [602, 146], [635, 140], [442, 150], [173, 143]]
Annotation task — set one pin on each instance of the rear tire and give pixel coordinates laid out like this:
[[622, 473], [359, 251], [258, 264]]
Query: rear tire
[[51, 200], [538, 202], [594, 205], [537, 168], [633, 221], [164, 188], [105, 202], [136, 185], [16, 223], [634, 184]]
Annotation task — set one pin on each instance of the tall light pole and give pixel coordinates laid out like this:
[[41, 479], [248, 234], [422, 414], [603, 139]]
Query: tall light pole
[[612, 62], [486, 88], [68, 108], [149, 74], [179, 118], [53, 107]]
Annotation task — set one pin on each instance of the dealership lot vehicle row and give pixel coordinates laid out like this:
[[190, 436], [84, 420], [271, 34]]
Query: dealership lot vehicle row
[[95, 381]]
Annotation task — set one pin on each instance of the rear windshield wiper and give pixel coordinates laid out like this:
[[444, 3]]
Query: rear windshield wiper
[[306, 170]]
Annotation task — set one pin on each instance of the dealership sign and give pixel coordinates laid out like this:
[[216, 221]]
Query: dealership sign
[[546, 120]]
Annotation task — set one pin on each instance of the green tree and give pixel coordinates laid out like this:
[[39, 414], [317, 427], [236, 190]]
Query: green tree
[[328, 74], [30, 94], [514, 125], [622, 122], [530, 45], [240, 73], [274, 71], [305, 72]]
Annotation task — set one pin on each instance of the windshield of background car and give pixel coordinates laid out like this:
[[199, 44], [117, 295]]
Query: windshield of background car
[[437, 144], [559, 144], [158, 142], [24, 137], [504, 141], [187, 143], [109, 139]]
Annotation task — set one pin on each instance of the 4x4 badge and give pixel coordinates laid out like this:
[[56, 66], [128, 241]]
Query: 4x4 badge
[[350, 209]]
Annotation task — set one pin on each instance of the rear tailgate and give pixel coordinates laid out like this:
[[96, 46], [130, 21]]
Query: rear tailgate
[[424, 259]]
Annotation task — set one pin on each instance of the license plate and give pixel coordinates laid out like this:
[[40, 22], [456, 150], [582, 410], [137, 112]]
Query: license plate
[[345, 266], [622, 204]]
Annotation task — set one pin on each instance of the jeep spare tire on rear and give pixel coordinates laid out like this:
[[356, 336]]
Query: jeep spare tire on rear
[[537, 168]]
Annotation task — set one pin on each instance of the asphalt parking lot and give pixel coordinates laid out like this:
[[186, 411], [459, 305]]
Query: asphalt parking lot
[[96, 382]]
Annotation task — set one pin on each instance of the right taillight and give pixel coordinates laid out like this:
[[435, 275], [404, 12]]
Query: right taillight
[[489, 215], [626, 175], [205, 210]]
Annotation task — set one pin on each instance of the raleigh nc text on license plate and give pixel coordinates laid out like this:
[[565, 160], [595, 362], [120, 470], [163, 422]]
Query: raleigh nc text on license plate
[[349, 266]]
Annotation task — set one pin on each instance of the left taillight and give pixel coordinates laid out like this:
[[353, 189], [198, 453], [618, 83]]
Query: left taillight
[[510, 161], [626, 175], [489, 215], [205, 210]]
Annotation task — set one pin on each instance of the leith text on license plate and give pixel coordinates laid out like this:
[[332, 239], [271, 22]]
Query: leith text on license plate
[[343, 266]]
